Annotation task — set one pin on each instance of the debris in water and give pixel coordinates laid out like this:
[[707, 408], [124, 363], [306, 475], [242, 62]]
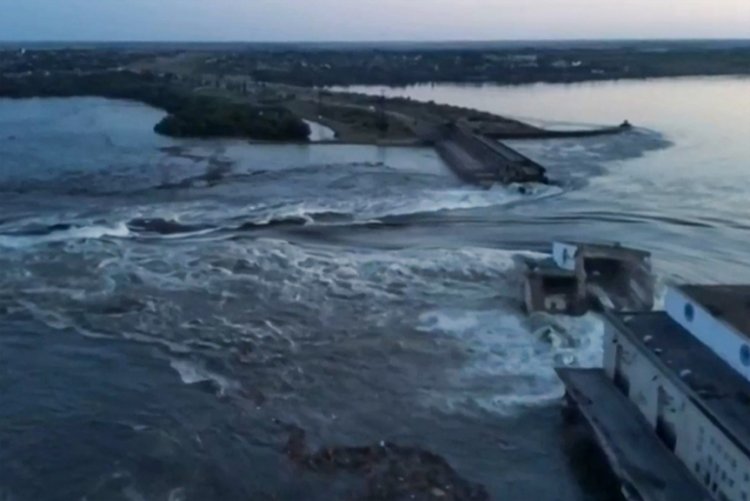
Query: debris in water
[[391, 472]]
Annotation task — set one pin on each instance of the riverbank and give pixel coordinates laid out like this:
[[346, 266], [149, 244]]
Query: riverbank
[[189, 113], [360, 118], [233, 106]]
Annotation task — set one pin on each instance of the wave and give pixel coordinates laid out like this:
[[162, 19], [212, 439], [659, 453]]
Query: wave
[[358, 210], [40, 230], [62, 233], [273, 223], [364, 210], [298, 215], [472, 198], [434, 201], [192, 373], [164, 226], [511, 357]]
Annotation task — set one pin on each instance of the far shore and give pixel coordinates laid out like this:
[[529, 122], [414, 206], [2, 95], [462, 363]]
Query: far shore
[[233, 107], [267, 93]]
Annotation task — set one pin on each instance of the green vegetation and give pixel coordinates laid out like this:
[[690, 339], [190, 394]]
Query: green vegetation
[[212, 117], [262, 92], [520, 65], [190, 114]]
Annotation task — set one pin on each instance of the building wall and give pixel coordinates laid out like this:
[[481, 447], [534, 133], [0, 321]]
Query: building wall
[[711, 456], [717, 463], [720, 337], [643, 377]]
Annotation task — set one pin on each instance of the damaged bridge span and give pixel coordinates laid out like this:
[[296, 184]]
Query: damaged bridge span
[[483, 161]]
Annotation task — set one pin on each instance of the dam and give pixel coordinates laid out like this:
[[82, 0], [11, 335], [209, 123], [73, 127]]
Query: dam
[[480, 160]]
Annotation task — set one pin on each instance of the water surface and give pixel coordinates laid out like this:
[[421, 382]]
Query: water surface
[[685, 202], [168, 307]]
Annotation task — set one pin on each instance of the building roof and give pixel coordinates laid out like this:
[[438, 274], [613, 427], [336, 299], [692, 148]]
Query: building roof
[[728, 303], [721, 392], [548, 267], [612, 248]]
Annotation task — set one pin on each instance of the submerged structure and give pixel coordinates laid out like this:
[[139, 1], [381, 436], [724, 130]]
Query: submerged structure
[[581, 275], [671, 408]]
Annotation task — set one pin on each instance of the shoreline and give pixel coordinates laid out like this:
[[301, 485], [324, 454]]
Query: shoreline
[[543, 81], [396, 120], [531, 83], [347, 139], [236, 108]]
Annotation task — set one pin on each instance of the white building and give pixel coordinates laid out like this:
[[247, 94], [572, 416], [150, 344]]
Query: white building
[[687, 372]]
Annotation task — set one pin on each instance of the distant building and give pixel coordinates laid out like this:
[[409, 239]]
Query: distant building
[[562, 64], [524, 60], [685, 373]]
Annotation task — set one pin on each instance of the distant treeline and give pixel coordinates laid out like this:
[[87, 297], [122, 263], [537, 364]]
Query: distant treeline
[[477, 65], [189, 114]]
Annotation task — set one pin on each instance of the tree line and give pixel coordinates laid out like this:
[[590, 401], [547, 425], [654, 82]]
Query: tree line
[[189, 114]]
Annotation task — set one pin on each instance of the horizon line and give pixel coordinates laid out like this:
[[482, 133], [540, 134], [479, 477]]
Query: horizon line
[[376, 42]]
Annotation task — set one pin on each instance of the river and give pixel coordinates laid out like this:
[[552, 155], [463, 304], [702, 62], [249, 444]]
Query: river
[[685, 202], [169, 307]]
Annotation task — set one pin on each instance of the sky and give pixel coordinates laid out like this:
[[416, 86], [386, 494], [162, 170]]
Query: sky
[[369, 20]]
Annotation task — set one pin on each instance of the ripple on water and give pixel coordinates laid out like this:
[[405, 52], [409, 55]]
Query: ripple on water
[[186, 263]]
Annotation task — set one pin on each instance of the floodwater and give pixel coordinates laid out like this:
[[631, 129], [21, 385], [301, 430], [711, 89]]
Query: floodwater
[[169, 308], [686, 202]]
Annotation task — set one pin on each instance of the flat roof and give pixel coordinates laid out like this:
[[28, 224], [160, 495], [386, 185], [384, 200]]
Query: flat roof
[[729, 303], [548, 268], [613, 247], [721, 392]]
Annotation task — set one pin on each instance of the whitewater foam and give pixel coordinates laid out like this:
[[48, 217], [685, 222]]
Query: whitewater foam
[[51, 319], [364, 208], [91, 232], [511, 359], [194, 373], [172, 346]]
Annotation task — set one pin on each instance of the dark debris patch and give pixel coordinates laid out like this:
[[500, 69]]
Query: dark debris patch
[[389, 471]]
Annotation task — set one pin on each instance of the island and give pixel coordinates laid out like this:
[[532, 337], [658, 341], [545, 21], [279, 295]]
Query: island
[[190, 114]]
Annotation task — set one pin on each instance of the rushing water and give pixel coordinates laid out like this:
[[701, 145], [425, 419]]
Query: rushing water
[[169, 307], [687, 202]]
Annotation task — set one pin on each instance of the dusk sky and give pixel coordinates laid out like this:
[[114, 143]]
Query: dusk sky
[[374, 20]]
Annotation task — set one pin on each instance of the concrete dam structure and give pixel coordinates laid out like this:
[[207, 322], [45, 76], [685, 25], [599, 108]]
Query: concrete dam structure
[[477, 159]]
